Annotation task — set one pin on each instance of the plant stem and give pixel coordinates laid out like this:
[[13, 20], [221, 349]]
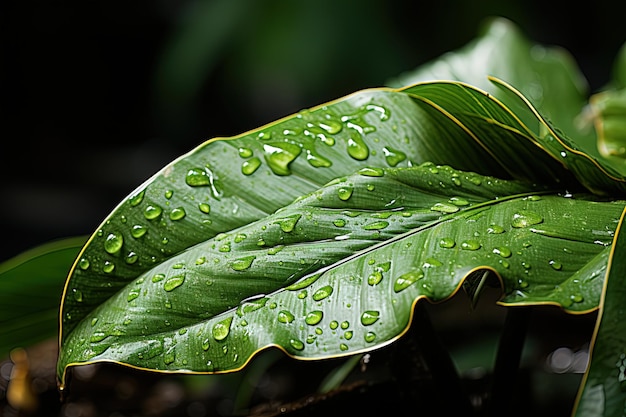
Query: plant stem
[[508, 360]]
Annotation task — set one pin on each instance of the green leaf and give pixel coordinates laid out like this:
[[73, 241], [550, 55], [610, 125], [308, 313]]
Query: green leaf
[[30, 287], [603, 390], [314, 277]]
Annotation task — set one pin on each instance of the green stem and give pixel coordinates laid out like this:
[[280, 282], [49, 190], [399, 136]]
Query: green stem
[[508, 360]]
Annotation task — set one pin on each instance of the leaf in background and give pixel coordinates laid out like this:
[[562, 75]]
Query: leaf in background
[[603, 390], [30, 288], [365, 249]]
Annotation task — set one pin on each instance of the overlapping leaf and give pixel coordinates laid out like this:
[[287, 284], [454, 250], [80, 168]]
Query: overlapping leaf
[[338, 271]]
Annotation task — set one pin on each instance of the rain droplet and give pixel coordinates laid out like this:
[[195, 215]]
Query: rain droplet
[[343, 347], [339, 222], [322, 293], [470, 244], [113, 243], [197, 177], [431, 263], [370, 337], [495, 229], [296, 344], [525, 218], [407, 279], [393, 156], [250, 166], [108, 267], [98, 337], [372, 172], [240, 237], [577, 298], [78, 295], [174, 282], [376, 225], [83, 263], [369, 317], [152, 212], [458, 201], [138, 231], [287, 224], [447, 242], [243, 263], [205, 208], [357, 148], [556, 265], [131, 258], [205, 345], [502, 251], [285, 316], [279, 156], [314, 317], [168, 194], [221, 329], [136, 198], [245, 152], [375, 278], [134, 293], [445, 208], [177, 213], [316, 160], [158, 277], [344, 193]]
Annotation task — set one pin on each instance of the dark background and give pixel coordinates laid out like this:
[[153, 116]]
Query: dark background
[[99, 95]]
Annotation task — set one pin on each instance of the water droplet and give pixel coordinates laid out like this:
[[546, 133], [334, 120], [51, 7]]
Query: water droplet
[[357, 148], [376, 225], [393, 156], [225, 247], [344, 193], [445, 208], [240, 237], [525, 218], [370, 337], [245, 152], [296, 344], [371, 172], [407, 279], [152, 212], [298, 285], [221, 329], [98, 337], [201, 260], [205, 208], [447, 242], [502, 251], [113, 243], [158, 277], [83, 263], [287, 224], [177, 213], [197, 177], [431, 263], [331, 126], [279, 156], [375, 278], [317, 160], [495, 229], [470, 244], [339, 222], [135, 199], [369, 317], [333, 325], [174, 282], [78, 295], [577, 298], [205, 345], [168, 194], [138, 231], [314, 317], [243, 263], [556, 265], [343, 347], [131, 258], [285, 316], [322, 293], [274, 250], [348, 335], [250, 166], [134, 293], [108, 267]]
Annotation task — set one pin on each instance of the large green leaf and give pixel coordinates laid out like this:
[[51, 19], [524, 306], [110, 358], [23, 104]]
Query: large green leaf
[[603, 392], [30, 288], [212, 307]]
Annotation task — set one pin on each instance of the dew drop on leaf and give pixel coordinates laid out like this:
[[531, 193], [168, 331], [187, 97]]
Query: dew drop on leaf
[[296, 344], [357, 148], [134, 293], [136, 198], [152, 212], [78, 295], [369, 317], [279, 156], [370, 337], [287, 224], [83, 263], [407, 279], [470, 244], [158, 277], [177, 213], [525, 218], [445, 208], [322, 293], [174, 282], [197, 177], [372, 172], [250, 166], [242, 264], [113, 243], [393, 156], [376, 225], [556, 265], [495, 229], [108, 267], [503, 251], [314, 317], [285, 316], [221, 329], [344, 193]]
